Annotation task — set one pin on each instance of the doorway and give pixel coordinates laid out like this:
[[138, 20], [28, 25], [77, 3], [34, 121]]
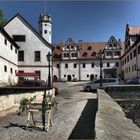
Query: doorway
[[91, 77], [69, 77]]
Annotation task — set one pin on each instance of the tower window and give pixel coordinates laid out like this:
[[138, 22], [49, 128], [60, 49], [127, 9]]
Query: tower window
[[50, 32], [45, 31]]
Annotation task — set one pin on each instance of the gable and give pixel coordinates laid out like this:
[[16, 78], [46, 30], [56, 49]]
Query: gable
[[21, 26]]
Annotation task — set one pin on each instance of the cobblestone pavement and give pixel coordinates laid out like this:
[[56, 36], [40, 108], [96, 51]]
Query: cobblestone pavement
[[74, 119]]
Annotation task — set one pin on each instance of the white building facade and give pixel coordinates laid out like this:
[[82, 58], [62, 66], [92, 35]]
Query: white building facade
[[130, 61], [33, 47], [8, 59], [81, 60]]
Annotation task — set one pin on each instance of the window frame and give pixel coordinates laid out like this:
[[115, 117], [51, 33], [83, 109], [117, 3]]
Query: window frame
[[37, 56]]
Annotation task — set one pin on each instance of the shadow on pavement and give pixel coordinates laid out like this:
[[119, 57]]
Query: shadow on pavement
[[85, 127], [30, 128]]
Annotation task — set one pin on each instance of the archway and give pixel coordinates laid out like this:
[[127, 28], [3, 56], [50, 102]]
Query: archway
[[55, 78], [69, 77], [91, 77]]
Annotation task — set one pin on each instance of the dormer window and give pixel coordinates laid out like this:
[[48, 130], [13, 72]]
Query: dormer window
[[89, 48], [85, 54], [93, 54]]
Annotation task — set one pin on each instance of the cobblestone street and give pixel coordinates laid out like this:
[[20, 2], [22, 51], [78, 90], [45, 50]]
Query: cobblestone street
[[74, 119]]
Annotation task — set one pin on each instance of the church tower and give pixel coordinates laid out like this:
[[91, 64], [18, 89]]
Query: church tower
[[45, 27]]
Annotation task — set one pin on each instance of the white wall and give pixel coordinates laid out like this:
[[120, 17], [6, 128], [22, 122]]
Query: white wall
[[8, 58], [32, 43], [84, 73]]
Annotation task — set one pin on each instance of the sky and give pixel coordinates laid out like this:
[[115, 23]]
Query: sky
[[90, 21]]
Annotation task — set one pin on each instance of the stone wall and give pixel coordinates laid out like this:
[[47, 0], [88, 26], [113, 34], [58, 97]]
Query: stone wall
[[10, 101], [111, 123]]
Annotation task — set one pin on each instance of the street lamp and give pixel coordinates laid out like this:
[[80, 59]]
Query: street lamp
[[49, 74], [100, 56], [44, 96]]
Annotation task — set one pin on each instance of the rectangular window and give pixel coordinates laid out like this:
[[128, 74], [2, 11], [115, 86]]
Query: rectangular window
[[108, 64], [128, 58], [66, 65], [139, 50], [75, 65], [92, 65], [125, 60], [117, 53], [19, 38], [5, 41], [20, 55], [134, 53], [5, 68], [50, 32], [45, 31], [130, 55], [74, 54], [108, 53], [66, 54], [57, 65], [37, 56], [72, 47], [117, 64], [11, 47], [15, 50], [84, 65], [11, 70]]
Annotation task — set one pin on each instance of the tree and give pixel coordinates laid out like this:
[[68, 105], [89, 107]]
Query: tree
[[2, 18]]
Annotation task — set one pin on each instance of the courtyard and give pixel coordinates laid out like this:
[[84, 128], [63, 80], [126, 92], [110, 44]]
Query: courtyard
[[74, 118]]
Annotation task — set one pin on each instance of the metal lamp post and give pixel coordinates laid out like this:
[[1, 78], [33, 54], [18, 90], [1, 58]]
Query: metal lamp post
[[101, 66], [44, 96], [49, 74]]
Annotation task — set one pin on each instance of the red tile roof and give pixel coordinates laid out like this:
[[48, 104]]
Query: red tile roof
[[95, 47], [84, 47]]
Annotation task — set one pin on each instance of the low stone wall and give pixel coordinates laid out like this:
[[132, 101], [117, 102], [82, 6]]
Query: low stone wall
[[111, 123], [10, 102]]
